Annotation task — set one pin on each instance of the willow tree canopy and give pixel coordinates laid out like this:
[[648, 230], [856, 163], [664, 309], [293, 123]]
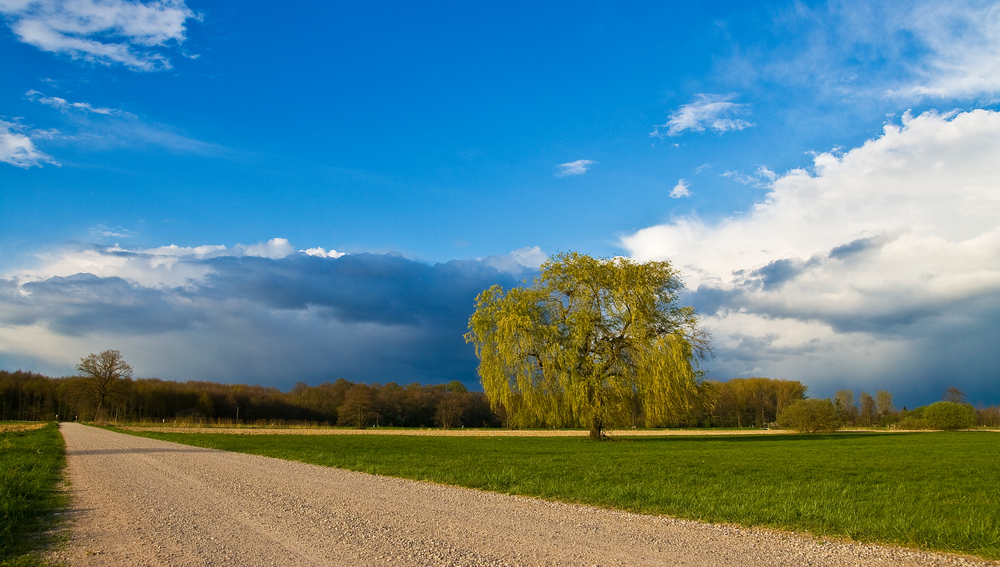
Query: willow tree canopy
[[587, 342]]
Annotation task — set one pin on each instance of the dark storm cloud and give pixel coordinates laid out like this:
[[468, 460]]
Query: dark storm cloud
[[81, 303], [365, 317], [858, 246], [382, 289]]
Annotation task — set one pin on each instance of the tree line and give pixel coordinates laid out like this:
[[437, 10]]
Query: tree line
[[29, 396], [740, 402]]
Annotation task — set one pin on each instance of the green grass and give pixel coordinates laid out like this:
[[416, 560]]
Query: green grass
[[31, 465], [936, 491]]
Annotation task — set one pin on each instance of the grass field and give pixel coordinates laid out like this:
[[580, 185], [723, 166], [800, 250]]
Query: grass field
[[31, 464], [932, 490]]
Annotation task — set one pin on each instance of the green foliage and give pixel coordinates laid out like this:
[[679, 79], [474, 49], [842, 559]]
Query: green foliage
[[809, 416], [950, 416], [899, 488], [587, 342], [31, 464], [742, 402]]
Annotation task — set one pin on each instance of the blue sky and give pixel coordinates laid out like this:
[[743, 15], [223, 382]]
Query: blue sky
[[256, 193]]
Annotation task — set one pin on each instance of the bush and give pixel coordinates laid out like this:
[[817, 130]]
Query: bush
[[910, 422], [809, 416], [950, 416]]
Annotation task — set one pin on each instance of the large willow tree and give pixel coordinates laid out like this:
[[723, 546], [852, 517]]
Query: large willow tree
[[588, 342]]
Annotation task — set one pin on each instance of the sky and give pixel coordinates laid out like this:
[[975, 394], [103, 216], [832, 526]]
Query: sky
[[253, 193]]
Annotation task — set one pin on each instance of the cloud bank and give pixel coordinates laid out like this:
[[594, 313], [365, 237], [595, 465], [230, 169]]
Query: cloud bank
[[101, 31], [879, 267], [260, 313]]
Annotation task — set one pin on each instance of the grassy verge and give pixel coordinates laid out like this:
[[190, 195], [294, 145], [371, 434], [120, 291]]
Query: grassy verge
[[931, 490], [31, 465]]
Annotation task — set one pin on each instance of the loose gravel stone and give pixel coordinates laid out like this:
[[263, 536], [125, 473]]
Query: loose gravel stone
[[144, 502]]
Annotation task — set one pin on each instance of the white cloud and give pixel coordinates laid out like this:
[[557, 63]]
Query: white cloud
[[18, 149], [518, 262], [680, 190], [65, 106], [100, 128], [886, 245], [761, 178], [708, 111], [529, 257], [321, 253], [577, 167], [962, 41], [101, 31], [865, 49], [274, 249], [160, 267]]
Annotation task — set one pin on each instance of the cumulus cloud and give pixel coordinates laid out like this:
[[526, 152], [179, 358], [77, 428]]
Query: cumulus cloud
[[889, 249], [680, 190], [708, 111], [101, 31], [578, 167], [318, 251], [257, 313], [18, 148], [518, 262]]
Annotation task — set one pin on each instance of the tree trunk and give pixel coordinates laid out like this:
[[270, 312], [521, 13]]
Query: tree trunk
[[595, 430]]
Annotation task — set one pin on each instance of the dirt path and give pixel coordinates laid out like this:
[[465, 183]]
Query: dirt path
[[141, 502]]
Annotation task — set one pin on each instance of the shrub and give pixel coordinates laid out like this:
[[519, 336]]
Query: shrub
[[910, 422], [950, 416], [809, 416]]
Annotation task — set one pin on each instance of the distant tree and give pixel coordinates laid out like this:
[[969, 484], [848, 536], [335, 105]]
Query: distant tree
[[883, 404], [867, 408], [357, 408], [585, 338], [954, 395], [205, 405], [950, 416], [752, 401], [990, 417], [809, 416], [103, 374], [449, 410], [847, 412]]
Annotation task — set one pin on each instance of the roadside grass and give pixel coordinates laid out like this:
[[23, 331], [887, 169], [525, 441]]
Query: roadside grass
[[31, 465], [938, 491]]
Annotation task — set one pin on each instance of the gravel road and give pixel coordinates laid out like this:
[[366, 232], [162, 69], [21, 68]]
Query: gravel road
[[144, 502]]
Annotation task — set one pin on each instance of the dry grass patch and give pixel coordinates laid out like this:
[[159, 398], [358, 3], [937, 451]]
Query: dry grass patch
[[20, 427]]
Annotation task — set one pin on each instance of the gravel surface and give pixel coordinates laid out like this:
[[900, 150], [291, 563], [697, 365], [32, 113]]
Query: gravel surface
[[141, 502]]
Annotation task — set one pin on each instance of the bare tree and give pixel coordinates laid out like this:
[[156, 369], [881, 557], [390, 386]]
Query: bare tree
[[103, 373], [449, 410], [357, 408], [847, 412], [867, 407], [883, 403], [953, 394]]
